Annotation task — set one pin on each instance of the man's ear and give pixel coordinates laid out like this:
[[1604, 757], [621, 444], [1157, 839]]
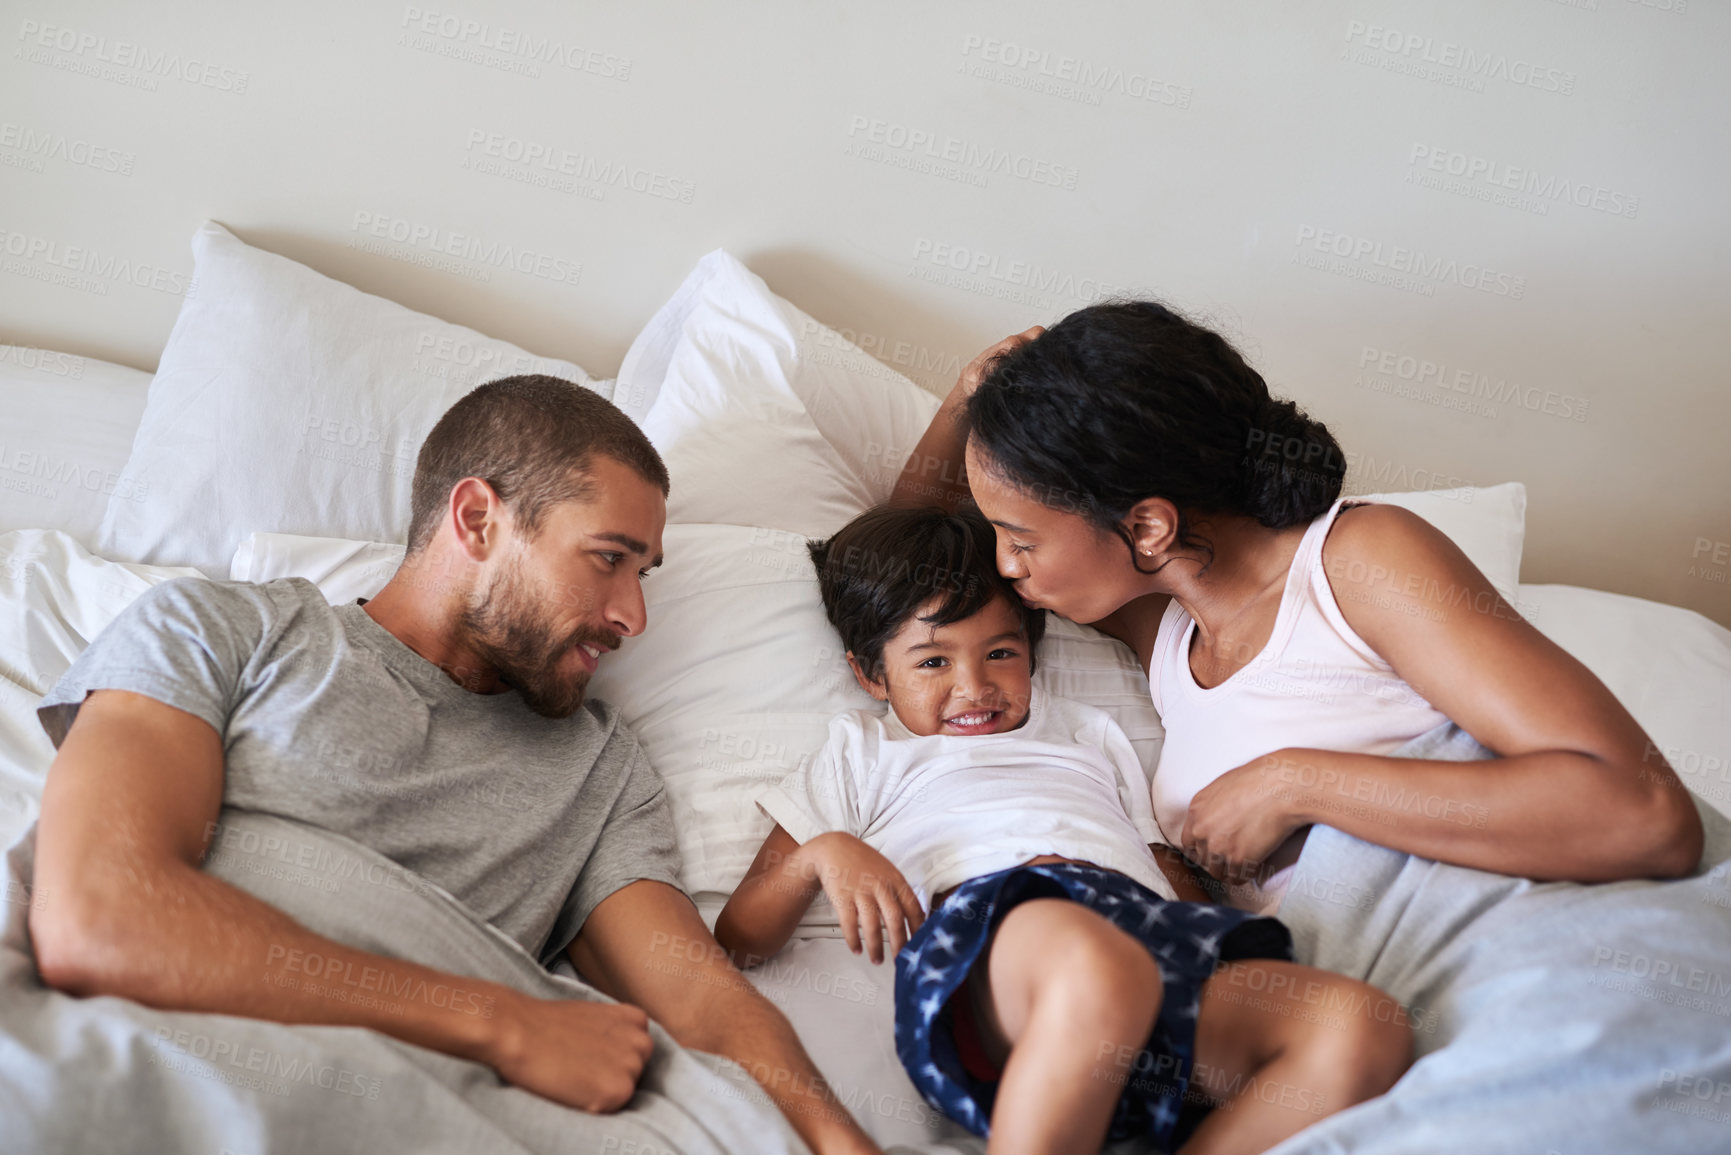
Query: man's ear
[[873, 686], [476, 517]]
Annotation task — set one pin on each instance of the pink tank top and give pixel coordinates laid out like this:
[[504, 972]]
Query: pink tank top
[[1315, 684]]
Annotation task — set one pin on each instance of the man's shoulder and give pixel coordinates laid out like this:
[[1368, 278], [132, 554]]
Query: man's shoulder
[[602, 717], [187, 642], [233, 617], [599, 710], [600, 726], [216, 597]]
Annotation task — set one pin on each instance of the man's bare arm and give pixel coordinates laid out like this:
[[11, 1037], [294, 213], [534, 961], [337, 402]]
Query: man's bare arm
[[645, 944], [125, 910]]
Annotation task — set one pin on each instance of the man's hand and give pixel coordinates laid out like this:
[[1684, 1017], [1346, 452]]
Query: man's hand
[[867, 891], [586, 1055], [1237, 820]]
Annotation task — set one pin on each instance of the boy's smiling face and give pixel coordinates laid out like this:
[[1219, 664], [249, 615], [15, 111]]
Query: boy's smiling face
[[969, 677]]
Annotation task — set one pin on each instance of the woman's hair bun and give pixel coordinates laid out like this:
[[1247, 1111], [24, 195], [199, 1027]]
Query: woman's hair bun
[[1293, 466]]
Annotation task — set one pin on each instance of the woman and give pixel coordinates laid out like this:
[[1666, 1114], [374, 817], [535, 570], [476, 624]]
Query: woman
[[1141, 478]]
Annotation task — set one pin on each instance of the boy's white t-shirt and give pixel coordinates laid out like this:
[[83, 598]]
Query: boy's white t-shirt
[[945, 808]]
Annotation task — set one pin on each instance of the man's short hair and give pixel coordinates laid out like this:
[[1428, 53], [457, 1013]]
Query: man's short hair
[[883, 566], [533, 439]]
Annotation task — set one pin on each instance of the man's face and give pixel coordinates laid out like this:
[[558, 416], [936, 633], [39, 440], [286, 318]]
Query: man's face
[[556, 604]]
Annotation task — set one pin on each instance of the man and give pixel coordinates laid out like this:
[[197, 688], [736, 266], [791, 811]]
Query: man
[[537, 507]]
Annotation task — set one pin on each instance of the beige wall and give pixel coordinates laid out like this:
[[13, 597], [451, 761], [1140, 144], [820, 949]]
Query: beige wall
[[1281, 169]]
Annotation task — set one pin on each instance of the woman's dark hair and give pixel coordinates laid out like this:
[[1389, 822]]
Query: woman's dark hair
[[879, 569], [1128, 400]]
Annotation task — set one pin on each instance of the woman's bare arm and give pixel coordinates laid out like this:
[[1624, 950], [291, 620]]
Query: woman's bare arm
[[933, 473], [1577, 791]]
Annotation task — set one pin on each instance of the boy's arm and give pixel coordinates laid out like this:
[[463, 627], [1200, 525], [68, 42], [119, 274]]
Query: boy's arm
[[869, 894], [775, 894], [764, 909]]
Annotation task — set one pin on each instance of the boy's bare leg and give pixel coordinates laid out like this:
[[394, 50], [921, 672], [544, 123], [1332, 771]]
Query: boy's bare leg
[[1280, 1046], [1066, 990]]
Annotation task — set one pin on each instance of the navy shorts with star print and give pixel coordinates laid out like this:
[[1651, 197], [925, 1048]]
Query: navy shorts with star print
[[935, 1035]]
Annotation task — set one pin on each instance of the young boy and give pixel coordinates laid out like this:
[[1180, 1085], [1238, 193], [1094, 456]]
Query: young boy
[[1058, 995]]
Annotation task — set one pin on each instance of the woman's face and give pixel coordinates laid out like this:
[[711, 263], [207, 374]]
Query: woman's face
[[1057, 560]]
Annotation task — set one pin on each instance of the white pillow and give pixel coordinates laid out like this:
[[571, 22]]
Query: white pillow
[[68, 428], [766, 417], [55, 596], [287, 401], [732, 685], [763, 415], [1488, 523], [343, 570]]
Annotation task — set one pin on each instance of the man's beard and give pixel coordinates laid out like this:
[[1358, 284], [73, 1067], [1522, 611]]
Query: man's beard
[[508, 630]]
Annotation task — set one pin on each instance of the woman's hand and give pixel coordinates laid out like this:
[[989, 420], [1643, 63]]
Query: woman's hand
[[1237, 820], [933, 474], [867, 891], [975, 371]]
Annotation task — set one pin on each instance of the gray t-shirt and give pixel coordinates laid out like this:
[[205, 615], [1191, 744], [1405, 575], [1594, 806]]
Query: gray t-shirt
[[326, 717]]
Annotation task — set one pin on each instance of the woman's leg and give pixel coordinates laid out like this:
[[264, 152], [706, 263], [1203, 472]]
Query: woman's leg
[[1279, 1046], [1067, 992]]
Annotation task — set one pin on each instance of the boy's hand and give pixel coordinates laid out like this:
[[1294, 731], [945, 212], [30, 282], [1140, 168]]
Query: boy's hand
[[867, 891]]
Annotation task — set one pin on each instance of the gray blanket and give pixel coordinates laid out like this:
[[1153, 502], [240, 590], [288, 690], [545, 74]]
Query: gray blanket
[[1549, 1018], [111, 1075]]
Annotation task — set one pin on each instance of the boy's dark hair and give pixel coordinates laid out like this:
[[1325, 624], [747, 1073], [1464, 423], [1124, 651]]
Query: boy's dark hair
[[880, 568], [532, 438]]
